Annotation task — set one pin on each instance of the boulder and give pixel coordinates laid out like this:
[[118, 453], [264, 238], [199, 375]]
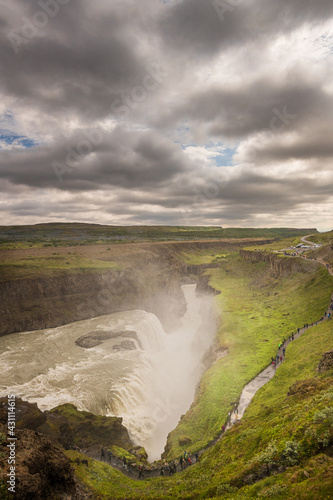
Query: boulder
[[97, 337], [75, 429], [326, 362], [27, 415]]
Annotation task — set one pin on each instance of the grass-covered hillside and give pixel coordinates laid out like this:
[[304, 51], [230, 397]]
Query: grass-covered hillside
[[322, 238], [326, 251], [282, 447], [257, 312]]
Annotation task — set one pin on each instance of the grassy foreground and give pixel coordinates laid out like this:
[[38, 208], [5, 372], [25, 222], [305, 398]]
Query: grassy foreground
[[283, 446]]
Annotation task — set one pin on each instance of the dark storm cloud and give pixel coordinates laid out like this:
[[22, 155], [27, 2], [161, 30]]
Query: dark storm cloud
[[95, 160], [81, 60], [305, 150], [264, 104], [203, 27], [278, 193], [170, 73]]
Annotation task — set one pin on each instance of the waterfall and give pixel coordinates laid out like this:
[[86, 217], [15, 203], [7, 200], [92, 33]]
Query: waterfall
[[149, 381], [150, 332]]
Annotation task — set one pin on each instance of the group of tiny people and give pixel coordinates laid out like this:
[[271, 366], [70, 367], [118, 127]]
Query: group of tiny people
[[185, 459], [282, 345], [235, 412], [107, 456], [281, 351], [108, 453], [168, 468]]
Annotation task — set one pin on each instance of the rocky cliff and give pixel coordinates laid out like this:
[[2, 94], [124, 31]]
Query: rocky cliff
[[42, 470], [279, 264], [326, 362], [148, 276], [32, 304]]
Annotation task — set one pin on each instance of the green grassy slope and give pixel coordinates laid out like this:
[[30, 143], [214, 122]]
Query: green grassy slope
[[283, 444], [257, 312]]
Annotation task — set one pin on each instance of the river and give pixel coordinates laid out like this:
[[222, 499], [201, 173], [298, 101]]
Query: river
[[150, 385]]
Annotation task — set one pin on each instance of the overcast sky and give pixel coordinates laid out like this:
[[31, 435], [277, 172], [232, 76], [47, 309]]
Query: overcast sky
[[182, 112]]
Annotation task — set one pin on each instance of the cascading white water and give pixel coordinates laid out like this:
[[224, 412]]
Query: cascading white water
[[150, 386]]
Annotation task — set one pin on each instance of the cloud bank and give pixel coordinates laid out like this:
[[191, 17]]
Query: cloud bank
[[167, 112]]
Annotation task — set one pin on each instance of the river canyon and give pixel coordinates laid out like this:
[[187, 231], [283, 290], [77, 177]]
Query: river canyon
[[121, 364]]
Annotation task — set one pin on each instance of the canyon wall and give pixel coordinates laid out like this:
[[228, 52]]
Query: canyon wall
[[149, 277], [279, 264], [33, 304]]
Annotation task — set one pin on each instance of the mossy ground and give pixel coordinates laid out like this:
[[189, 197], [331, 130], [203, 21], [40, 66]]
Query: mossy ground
[[203, 257]]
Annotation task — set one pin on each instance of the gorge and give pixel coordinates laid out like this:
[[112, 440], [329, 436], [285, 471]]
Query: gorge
[[135, 342], [135, 371]]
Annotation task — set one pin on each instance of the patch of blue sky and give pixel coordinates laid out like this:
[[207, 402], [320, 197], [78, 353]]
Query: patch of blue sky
[[13, 139], [185, 146], [10, 135], [226, 158], [214, 154]]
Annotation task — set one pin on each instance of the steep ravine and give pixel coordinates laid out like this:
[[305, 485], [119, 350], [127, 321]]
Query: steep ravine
[[33, 304], [149, 277]]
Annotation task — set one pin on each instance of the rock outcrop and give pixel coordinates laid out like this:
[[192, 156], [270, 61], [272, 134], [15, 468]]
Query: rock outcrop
[[280, 265], [75, 429], [68, 426], [326, 362], [203, 286], [97, 337], [41, 470]]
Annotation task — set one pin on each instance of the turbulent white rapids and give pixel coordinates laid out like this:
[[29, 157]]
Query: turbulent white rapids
[[150, 386]]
